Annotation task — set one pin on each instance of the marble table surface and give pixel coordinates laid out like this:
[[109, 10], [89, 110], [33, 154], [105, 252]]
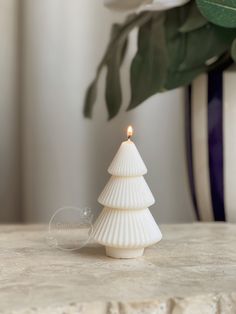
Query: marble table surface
[[192, 270]]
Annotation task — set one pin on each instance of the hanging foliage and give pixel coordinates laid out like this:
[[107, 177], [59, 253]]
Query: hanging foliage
[[174, 46]]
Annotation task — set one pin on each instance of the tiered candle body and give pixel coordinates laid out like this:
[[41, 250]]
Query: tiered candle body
[[125, 225]]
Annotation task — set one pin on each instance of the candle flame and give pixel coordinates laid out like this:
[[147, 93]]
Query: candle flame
[[130, 131]]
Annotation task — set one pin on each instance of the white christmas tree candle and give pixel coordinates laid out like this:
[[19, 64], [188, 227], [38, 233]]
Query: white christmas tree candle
[[126, 226]]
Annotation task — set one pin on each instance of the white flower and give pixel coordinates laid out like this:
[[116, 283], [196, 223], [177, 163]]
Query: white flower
[[143, 5]]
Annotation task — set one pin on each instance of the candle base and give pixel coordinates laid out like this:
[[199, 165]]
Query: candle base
[[123, 253]]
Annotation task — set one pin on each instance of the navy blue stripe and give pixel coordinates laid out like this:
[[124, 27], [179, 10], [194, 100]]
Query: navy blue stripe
[[215, 142], [189, 152]]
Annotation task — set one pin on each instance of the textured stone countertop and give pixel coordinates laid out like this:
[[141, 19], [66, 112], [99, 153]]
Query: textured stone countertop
[[192, 270]]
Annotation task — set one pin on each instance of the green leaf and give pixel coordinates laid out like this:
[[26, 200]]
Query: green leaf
[[216, 41], [171, 59], [220, 12], [175, 41], [149, 66], [194, 19], [166, 57], [113, 85], [178, 49], [116, 39], [182, 78], [233, 50], [90, 99]]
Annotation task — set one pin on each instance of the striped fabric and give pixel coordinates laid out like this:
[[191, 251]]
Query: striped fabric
[[211, 144]]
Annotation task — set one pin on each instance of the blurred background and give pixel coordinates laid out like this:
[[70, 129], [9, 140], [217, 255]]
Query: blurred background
[[50, 155]]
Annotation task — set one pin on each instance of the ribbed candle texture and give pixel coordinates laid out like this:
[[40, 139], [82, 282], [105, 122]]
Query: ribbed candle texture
[[126, 226]]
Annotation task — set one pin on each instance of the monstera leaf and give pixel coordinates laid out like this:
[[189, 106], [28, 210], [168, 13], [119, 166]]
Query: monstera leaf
[[220, 12]]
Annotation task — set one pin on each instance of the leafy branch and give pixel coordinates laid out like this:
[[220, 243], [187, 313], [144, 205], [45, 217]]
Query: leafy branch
[[174, 46]]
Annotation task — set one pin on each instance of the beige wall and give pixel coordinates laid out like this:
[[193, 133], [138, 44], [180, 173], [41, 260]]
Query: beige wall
[[64, 156]]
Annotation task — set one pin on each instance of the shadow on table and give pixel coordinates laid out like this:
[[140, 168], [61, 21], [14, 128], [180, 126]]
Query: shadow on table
[[98, 251]]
